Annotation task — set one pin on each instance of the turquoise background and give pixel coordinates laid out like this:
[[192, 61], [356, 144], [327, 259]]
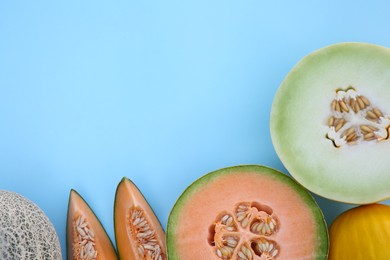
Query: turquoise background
[[159, 91]]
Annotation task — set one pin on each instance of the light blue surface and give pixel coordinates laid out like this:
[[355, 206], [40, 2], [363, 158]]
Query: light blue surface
[[159, 91]]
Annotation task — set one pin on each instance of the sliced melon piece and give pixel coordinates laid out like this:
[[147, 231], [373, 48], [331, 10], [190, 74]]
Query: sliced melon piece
[[246, 212], [138, 233], [330, 122], [361, 233], [86, 237]]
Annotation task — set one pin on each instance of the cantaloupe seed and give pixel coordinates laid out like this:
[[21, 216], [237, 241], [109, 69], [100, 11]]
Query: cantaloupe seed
[[244, 233], [83, 240], [148, 247], [355, 120]]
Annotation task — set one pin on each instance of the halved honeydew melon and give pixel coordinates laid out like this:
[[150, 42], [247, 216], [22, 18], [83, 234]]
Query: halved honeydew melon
[[246, 212], [330, 122]]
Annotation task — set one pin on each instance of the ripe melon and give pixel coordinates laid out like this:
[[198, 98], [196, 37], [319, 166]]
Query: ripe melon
[[138, 233], [25, 230], [330, 122], [361, 233], [86, 238], [246, 212]]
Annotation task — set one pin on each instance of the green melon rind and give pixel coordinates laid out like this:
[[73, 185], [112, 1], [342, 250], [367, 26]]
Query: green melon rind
[[312, 160], [174, 216], [93, 212]]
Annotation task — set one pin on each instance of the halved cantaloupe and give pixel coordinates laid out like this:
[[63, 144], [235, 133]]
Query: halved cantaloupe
[[138, 233], [86, 237], [246, 212]]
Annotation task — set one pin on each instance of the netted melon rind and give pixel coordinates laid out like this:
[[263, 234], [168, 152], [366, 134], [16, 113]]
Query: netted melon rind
[[25, 230]]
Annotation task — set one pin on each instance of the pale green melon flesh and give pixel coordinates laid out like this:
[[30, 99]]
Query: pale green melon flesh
[[352, 173], [188, 223]]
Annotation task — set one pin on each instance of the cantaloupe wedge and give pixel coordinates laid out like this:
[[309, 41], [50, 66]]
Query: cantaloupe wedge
[[86, 237], [246, 212], [138, 233]]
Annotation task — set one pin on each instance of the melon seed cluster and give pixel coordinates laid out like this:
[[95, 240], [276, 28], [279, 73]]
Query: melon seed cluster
[[244, 234], [354, 120], [83, 240], [147, 244]]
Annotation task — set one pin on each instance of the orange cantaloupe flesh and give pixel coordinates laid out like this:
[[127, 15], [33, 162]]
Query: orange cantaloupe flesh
[[129, 196], [302, 233], [103, 245]]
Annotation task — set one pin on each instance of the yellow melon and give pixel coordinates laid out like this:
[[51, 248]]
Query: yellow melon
[[361, 233]]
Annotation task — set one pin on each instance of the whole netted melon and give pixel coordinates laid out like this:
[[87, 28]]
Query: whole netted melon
[[25, 230]]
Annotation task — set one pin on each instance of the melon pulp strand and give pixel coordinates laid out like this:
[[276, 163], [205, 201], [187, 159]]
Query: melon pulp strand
[[246, 212], [86, 238], [25, 230], [138, 232], [330, 122]]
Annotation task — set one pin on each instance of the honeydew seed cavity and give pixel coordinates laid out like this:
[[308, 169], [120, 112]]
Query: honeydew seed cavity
[[354, 120]]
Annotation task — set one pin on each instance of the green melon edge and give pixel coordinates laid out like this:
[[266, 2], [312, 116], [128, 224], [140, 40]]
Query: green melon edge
[[323, 238], [276, 119]]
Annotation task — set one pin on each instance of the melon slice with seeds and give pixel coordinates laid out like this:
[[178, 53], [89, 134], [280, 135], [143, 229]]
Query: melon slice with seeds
[[330, 122], [246, 212], [86, 237], [138, 233]]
